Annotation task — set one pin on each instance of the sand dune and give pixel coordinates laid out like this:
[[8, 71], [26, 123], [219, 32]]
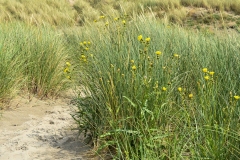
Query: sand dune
[[40, 130]]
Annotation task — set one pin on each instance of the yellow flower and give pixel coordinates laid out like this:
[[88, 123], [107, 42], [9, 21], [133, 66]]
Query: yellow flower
[[164, 88], [102, 17], [211, 73], [83, 56], [85, 42], [106, 24], [179, 89], [134, 67], [140, 37], [86, 48], [190, 95], [124, 22], [175, 55], [68, 77], [89, 42], [206, 77], [115, 19], [205, 70], [158, 53], [148, 39], [66, 70], [68, 64], [81, 44], [132, 61], [237, 97]]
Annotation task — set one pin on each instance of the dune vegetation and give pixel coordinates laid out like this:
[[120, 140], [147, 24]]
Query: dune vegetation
[[159, 92], [187, 13], [32, 60], [156, 85]]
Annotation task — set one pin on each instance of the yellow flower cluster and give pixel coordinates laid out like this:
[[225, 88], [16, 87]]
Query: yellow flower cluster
[[205, 70], [147, 40], [107, 20], [84, 46], [83, 58], [146, 45], [207, 77], [85, 43], [100, 17], [67, 70]]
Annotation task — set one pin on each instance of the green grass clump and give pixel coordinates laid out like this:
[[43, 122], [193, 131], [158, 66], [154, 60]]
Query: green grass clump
[[32, 60], [158, 92], [9, 78]]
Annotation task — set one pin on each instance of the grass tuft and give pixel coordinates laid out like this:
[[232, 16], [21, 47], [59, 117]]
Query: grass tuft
[[32, 59]]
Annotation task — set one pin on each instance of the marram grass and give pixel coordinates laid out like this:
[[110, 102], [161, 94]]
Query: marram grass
[[158, 92], [32, 60]]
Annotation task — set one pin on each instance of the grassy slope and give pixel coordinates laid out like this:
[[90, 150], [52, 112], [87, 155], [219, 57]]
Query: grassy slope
[[184, 12], [37, 12], [123, 98]]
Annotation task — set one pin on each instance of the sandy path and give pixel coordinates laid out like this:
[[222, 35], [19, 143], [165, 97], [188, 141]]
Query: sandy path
[[39, 130]]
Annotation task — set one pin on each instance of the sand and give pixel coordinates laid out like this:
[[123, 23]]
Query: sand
[[33, 129]]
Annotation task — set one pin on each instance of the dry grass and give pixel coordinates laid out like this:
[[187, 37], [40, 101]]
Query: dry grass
[[37, 12], [224, 5], [78, 12]]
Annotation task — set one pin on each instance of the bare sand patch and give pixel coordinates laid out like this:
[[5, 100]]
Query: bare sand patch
[[40, 130]]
